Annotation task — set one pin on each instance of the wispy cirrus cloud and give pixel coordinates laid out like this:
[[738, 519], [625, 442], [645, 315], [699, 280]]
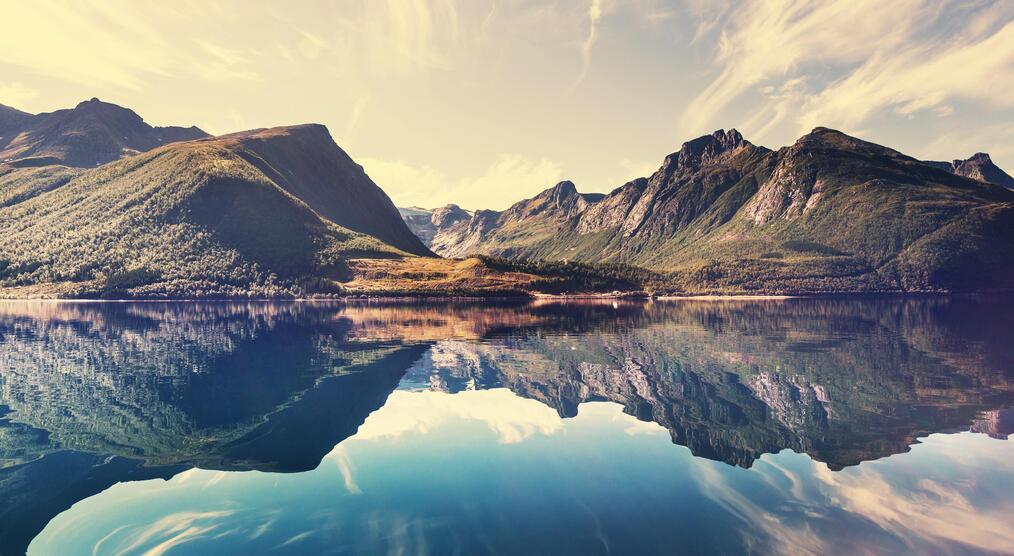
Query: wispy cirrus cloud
[[841, 63], [16, 93], [595, 11]]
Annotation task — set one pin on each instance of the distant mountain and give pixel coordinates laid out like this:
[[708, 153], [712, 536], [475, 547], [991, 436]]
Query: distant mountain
[[88, 135], [979, 167], [829, 213], [424, 223], [265, 212]]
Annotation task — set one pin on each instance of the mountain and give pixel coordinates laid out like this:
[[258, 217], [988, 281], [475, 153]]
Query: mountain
[[11, 118], [979, 167], [424, 223], [266, 212], [88, 135], [829, 213]]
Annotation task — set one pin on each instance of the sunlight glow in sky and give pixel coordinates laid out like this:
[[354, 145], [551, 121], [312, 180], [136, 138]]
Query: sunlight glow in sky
[[484, 102]]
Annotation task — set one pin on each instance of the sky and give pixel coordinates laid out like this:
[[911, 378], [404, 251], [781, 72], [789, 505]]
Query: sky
[[485, 102]]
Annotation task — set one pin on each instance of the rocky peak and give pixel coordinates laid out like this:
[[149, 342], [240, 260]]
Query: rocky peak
[[561, 198], [111, 113], [827, 138], [560, 192], [448, 216], [703, 150], [981, 167]]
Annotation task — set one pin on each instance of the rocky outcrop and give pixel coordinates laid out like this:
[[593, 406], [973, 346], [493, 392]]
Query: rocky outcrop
[[979, 167], [426, 224], [466, 237]]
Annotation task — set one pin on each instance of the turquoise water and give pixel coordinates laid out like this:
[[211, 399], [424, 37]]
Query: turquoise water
[[799, 426]]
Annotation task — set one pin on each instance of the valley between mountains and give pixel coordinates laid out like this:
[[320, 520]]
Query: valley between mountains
[[96, 203]]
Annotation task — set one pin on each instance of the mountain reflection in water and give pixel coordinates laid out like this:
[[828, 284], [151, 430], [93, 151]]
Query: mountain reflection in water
[[95, 394]]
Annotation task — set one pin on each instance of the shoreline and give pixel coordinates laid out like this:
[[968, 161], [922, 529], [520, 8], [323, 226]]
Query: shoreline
[[626, 296]]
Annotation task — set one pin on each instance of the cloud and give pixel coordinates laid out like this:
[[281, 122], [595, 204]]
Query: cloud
[[16, 93], [357, 112], [169, 531], [511, 418], [920, 77], [929, 500], [404, 36], [220, 63], [842, 63], [508, 179], [594, 15], [994, 138], [637, 169]]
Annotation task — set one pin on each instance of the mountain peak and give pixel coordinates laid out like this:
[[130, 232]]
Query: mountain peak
[[307, 163], [563, 189], [298, 132], [448, 215], [96, 107], [981, 167], [704, 149], [827, 138], [92, 133], [94, 101]]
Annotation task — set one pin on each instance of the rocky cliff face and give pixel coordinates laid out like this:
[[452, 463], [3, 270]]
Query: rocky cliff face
[[979, 167], [425, 223], [829, 213]]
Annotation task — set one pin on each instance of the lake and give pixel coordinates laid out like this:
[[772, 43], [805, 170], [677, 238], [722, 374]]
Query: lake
[[824, 426]]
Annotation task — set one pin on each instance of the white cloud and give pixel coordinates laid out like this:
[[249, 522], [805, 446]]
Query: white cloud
[[920, 77], [507, 180], [595, 11], [841, 63], [929, 499], [513, 419], [637, 169], [357, 112], [15, 94], [994, 138]]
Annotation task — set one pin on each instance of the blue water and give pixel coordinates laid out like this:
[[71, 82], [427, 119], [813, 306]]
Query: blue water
[[799, 426]]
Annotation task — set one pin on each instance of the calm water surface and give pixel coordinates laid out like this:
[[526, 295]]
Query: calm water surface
[[795, 426]]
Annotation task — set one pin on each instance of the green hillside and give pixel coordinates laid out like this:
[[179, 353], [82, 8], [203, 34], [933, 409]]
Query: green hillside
[[189, 219]]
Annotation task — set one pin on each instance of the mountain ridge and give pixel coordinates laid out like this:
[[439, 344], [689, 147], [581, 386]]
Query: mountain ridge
[[88, 135], [838, 212]]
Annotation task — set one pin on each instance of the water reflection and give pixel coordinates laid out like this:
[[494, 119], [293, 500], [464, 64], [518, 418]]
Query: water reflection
[[97, 394]]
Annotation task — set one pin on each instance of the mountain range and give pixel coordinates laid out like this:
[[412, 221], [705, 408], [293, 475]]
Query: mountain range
[[95, 202], [829, 213]]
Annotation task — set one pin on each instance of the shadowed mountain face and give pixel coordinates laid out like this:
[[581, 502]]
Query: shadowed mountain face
[[88, 135], [267, 212], [306, 163], [95, 394], [829, 213]]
